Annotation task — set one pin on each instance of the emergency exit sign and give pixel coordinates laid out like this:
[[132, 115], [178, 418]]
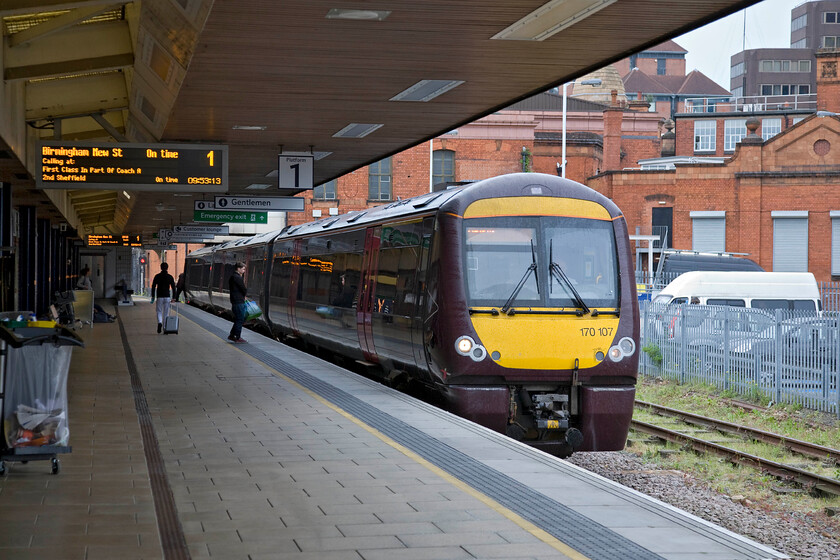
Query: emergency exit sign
[[230, 216]]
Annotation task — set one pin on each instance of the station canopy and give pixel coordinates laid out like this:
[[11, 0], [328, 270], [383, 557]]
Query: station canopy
[[347, 82]]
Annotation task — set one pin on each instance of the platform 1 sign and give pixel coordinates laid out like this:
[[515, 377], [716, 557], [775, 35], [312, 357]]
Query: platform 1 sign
[[294, 171], [230, 216], [142, 167]]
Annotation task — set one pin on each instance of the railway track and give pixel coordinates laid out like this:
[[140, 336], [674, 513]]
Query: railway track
[[782, 471]]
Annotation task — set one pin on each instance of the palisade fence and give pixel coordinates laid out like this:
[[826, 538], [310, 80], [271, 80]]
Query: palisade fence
[[787, 357]]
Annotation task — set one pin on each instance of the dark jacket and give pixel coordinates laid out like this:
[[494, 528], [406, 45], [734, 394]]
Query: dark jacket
[[237, 289], [161, 283]]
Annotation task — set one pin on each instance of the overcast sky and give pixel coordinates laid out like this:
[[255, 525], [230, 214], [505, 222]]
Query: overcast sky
[[709, 48]]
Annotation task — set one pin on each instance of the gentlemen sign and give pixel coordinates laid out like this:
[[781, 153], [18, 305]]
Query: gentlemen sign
[[266, 203]]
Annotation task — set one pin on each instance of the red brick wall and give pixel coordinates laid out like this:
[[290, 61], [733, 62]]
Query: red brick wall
[[794, 178]]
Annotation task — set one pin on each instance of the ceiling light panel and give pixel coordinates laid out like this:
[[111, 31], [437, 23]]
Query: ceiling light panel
[[358, 15], [424, 90], [356, 130], [551, 18]]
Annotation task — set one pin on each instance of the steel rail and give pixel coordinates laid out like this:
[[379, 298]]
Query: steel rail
[[791, 444], [785, 472]]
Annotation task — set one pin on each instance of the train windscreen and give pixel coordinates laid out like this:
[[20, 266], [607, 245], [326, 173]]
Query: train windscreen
[[548, 261]]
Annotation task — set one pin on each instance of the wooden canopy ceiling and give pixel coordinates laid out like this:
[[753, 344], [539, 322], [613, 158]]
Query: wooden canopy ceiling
[[265, 76]]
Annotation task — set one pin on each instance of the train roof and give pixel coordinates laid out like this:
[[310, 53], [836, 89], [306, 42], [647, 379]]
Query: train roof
[[422, 203], [503, 185]]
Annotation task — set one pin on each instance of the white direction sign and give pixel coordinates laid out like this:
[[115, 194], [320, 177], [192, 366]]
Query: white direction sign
[[204, 205], [294, 171], [166, 236], [264, 203], [213, 230]]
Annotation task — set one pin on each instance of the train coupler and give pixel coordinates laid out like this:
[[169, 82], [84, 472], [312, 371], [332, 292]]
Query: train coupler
[[551, 411]]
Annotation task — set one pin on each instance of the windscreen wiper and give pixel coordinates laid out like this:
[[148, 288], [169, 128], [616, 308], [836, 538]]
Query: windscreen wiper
[[556, 272], [532, 268]]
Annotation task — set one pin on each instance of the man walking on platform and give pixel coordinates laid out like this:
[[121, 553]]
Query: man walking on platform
[[161, 289], [236, 284]]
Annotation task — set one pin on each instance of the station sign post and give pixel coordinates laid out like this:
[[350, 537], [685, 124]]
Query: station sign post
[[230, 216], [263, 203]]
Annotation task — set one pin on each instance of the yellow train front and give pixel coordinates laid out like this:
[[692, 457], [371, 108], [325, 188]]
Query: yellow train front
[[532, 326]]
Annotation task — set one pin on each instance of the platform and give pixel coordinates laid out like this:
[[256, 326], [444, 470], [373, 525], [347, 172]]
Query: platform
[[189, 446]]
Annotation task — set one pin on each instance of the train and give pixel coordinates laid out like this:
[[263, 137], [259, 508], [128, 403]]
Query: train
[[512, 299]]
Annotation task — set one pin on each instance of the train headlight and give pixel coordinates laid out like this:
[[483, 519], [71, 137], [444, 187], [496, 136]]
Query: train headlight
[[464, 345], [627, 346]]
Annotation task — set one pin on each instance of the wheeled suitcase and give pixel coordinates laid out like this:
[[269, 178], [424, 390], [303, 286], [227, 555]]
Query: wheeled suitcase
[[170, 323]]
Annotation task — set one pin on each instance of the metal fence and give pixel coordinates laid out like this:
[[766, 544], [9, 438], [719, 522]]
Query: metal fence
[[787, 357]]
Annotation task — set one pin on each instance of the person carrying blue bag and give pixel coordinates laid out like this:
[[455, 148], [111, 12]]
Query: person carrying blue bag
[[238, 295]]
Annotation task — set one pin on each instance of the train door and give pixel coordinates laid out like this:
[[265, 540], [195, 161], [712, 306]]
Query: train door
[[418, 320], [293, 284], [255, 274], [364, 317]]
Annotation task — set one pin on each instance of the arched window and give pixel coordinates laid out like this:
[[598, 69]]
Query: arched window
[[443, 167], [379, 180]]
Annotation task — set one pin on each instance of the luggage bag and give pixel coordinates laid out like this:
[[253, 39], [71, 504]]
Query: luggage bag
[[170, 323]]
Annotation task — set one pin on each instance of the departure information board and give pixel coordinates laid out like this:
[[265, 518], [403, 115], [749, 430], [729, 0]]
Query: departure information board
[[114, 240], [147, 167]]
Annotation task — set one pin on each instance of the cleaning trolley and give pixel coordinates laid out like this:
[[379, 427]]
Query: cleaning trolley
[[34, 363]]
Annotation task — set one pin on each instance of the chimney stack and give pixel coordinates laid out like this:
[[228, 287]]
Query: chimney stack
[[828, 80], [613, 116], [669, 140]]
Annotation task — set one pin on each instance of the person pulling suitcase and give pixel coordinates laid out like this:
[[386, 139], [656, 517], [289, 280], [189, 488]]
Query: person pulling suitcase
[[161, 285], [170, 322]]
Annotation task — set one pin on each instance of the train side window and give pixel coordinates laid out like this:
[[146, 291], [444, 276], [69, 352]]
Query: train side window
[[314, 279], [254, 282], [281, 270]]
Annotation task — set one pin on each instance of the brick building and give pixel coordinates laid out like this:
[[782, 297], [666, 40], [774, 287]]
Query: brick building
[[658, 75], [776, 197]]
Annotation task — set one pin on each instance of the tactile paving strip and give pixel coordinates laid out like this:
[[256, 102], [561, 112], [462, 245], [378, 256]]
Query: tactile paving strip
[[575, 530]]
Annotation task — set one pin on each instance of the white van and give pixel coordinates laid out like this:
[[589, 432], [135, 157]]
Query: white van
[[789, 291]]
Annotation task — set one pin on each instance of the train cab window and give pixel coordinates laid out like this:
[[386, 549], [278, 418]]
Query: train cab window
[[585, 251], [497, 259], [559, 261]]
